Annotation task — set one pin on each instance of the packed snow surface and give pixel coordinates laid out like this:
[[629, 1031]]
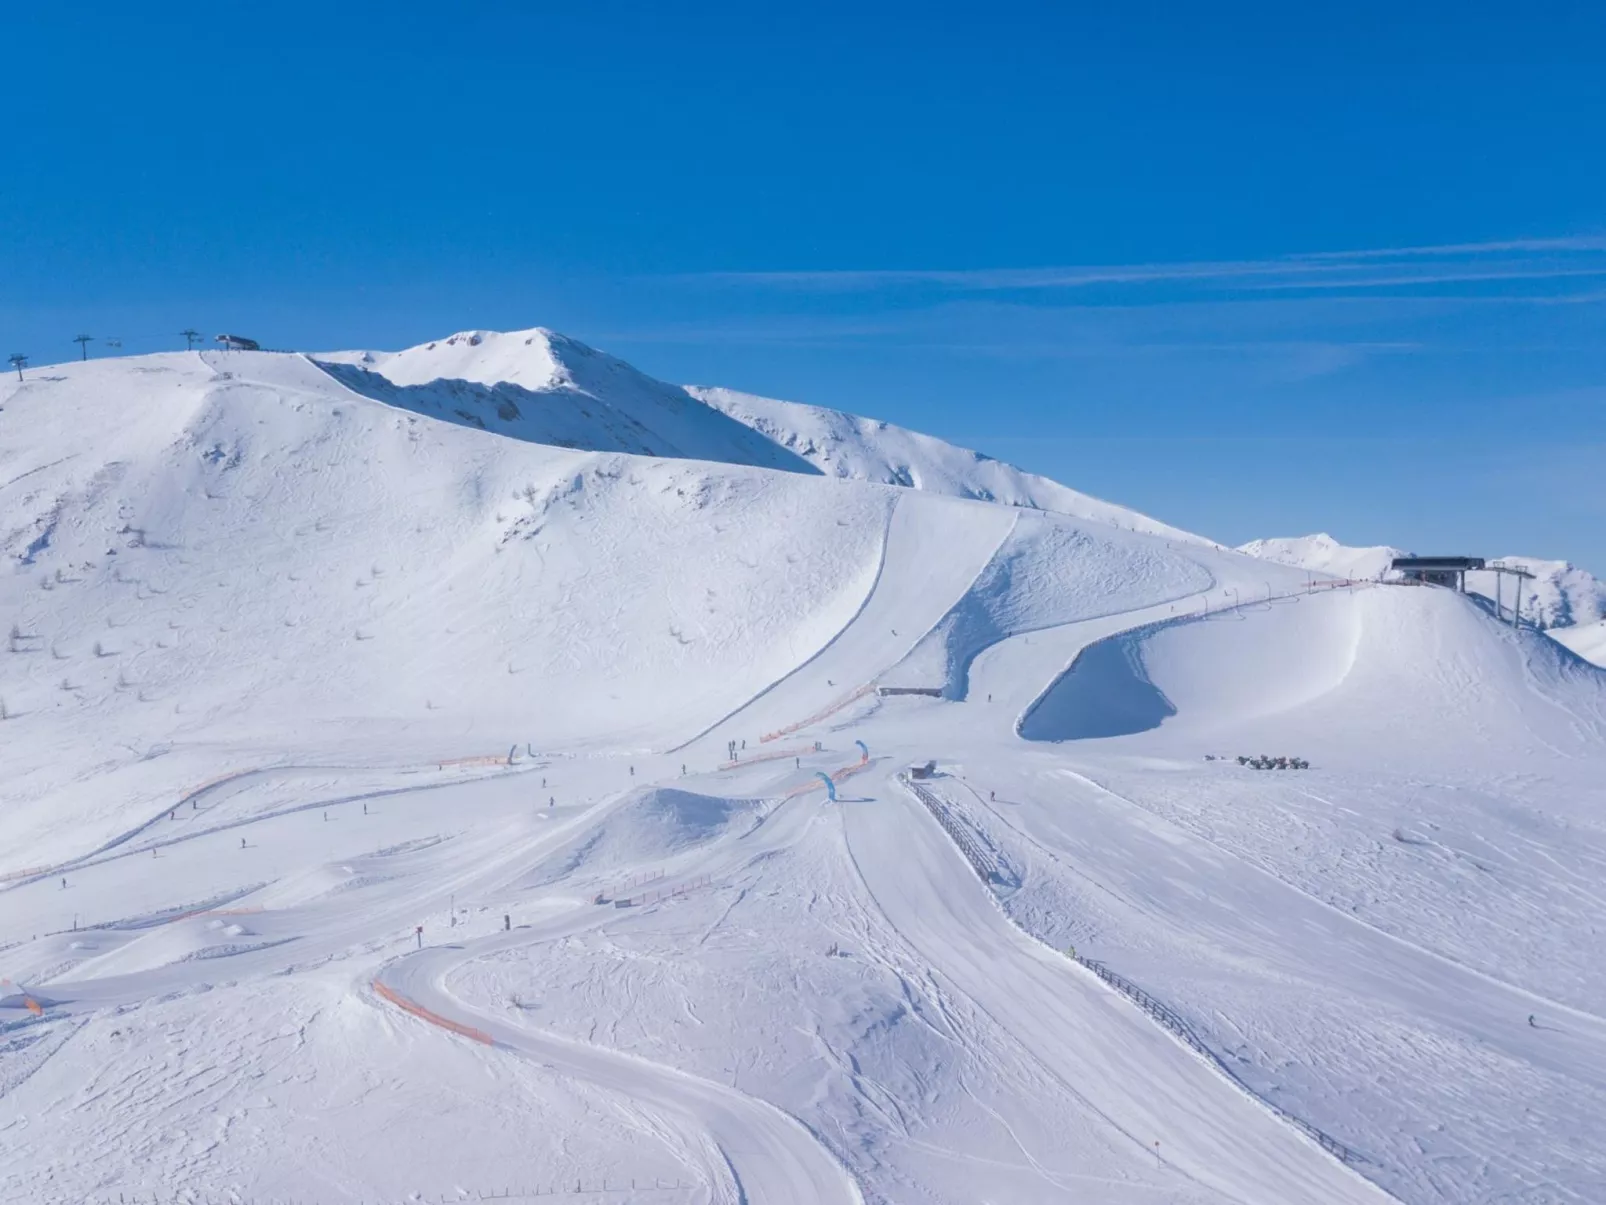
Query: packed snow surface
[[414, 788]]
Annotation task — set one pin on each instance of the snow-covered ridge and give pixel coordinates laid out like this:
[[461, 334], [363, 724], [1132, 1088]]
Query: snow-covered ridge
[[846, 445], [1321, 553], [544, 387], [1558, 595], [541, 387]]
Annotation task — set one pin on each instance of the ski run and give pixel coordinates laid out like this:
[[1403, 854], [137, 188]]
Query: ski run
[[413, 786]]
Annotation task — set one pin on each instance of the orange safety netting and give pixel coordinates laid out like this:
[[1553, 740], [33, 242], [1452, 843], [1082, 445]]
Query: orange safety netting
[[835, 776], [434, 1018], [499, 759], [763, 757], [819, 715]]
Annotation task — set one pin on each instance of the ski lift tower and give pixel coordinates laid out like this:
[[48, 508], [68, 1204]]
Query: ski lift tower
[[1501, 572]]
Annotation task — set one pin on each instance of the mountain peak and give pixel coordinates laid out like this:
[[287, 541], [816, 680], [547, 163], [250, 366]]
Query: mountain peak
[[545, 387], [534, 359], [1321, 553]]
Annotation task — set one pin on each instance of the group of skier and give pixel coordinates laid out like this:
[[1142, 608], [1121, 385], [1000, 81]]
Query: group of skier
[[1266, 762]]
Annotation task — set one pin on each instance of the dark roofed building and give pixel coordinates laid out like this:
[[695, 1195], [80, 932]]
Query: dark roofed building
[[1438, 570]]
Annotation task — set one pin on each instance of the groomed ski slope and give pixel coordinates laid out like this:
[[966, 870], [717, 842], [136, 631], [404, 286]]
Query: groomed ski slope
[[639, 964]]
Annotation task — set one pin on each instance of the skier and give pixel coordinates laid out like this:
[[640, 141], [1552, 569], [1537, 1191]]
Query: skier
[[242, 842], [64, 884], [507, 922], [1531, 1022]]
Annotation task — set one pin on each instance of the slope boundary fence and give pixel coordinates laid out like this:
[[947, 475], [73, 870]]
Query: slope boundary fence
[[981, 860], [836, 776], [489, 759], [434, 1018], [1241, 602], [774, 755], [986, 868], [1167, 1017], [823, 713]]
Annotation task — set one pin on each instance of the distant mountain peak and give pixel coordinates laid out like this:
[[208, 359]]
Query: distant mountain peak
[[1321, 553]]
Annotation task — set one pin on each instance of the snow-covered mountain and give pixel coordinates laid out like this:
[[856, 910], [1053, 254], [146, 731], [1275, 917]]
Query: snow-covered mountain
[[1558, 595], [846, 445], [547, 388], [544, 388], [266, 546], [1320, 553], [1588, 640], [414, 779]]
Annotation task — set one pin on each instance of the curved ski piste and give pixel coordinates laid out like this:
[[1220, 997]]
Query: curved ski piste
[[935, 548], [769, 1156]]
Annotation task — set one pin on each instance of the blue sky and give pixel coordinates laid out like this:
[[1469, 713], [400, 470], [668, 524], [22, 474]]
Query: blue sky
[[1254, 268]]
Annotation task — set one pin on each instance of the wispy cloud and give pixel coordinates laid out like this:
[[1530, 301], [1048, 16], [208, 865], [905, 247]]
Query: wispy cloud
[[1381, 269], [1575, 243]]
